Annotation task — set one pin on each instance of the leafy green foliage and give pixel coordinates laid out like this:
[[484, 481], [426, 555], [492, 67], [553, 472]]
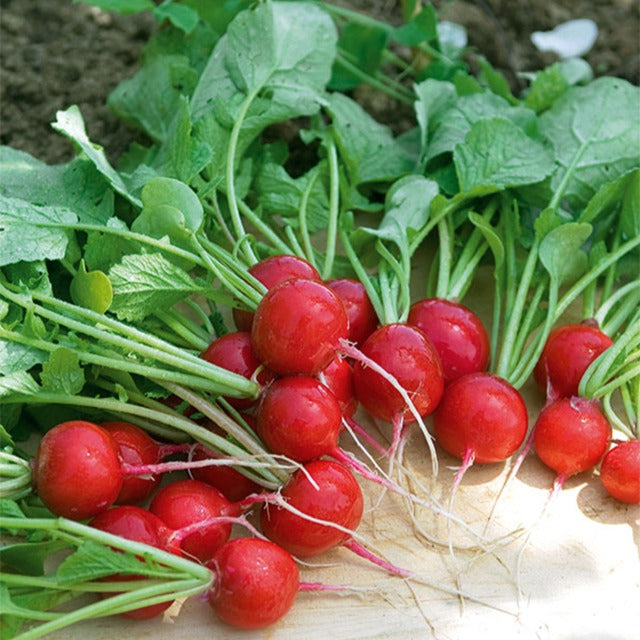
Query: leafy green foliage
[[62, 372], [91, 289]]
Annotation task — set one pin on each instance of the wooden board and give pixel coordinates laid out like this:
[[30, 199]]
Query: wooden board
[[579, 574]]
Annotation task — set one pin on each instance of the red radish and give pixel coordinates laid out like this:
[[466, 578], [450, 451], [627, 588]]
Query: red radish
[[567, 354], [77, 470], [272, 271], [136, 524], [298, 326], [233, 352], [338, 378], [363, 319], [135, 447], [256, 583], [406, 353], [571, 435], [481, 418], [620, 472], [457, 334], [233, 485], [185, 503], [337, 498], [300, 418]]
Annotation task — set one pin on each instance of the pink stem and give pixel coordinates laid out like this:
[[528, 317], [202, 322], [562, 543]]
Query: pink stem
[[359, 550], [257, 498], [165, 450], [366, 436], [319, 586], [179, 535], [177, 465]]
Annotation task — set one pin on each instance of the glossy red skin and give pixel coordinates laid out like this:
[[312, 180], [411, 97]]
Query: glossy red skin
[[300, 418], [188, 502], [406, 353], [234, 353], [620, 472], [231, 483], [135, 447], [482, 414], [338, 378], [256, 583], [339, 499], [77, 470], [567, 354], [571, 435], [457, 334], [136, 524], [298, 326], [363, 320], [272, 271]]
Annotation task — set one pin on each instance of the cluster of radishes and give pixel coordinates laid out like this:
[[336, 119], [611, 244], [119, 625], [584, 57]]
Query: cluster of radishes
[[317, 350]]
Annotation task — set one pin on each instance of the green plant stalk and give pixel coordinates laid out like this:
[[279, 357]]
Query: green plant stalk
[[185, 328], [399, 283], [445, 258], [236, 219], [525, 329], [264, 228], [463, 279], [295, 245], [334, 210], [362, 274], [609, 322], [513, 322], [390, 312], [207, 330], [613, 418], [135, 341], [302, 221]]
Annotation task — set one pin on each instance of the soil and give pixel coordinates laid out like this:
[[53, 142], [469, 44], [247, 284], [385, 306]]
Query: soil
[[55, 53]]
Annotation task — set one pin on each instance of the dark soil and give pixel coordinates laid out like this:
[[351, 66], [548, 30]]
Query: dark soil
[[55, 54]]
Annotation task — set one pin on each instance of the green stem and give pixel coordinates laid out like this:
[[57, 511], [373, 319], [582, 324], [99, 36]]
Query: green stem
[[236, 219], [264, 229], [178, 326], [208, 330], [389, 310], [444, 258], [302, 221], [293, 242], [334, 209]]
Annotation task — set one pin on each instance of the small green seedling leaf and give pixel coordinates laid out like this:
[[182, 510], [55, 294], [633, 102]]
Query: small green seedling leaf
[[180, 16], [62, 373], [561, 251], [546, 88], [91, 289], [144, 284], [497, 155]]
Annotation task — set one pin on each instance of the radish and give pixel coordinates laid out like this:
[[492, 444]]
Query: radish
[[255, 583], [337, 376], [77, 470], [188, 503], [363, 319], [270, 272], [136, 524], [620, 472], [298, 326], [336, 497], [457, 334], [233, 352], [571, 436], [568, 352], [135, 447]]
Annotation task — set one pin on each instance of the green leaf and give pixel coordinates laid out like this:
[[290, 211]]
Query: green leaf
[[70, 124], [32, 276], [493, 239], [16, 357], [125, 7], [28, 232], [162, 191], [19, 382], [150, 99], [281, 195], [496, 155], [407, 205], [546, 88], [103, 250], [180, 16], [28, 558], [272, 64], [561, 251], [62, 373], [496, 81], [92, 561], [595, 135], [368, 148], [143, 284], [609, 195], [421, 28], [77, 185], [91, 289], [362, 45], [451, 126]]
